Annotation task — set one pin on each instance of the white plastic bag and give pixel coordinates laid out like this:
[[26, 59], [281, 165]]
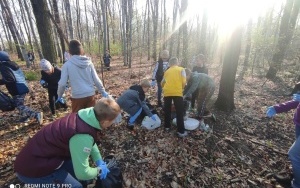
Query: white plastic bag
[[189, 124], [118, 119], [150, 124]]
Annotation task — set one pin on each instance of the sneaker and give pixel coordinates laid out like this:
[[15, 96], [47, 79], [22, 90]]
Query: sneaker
[[39, 118], [181, 135]]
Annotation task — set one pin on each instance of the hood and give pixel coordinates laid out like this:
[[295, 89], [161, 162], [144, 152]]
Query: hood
[[88, 116], [80, 61]]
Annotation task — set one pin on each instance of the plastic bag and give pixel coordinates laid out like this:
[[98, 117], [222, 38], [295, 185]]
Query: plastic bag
[[150, 124], [118, 119], [114, 178]]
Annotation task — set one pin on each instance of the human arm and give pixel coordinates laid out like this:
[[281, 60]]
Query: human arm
[[154, 72], [285, 107], [143, 105], [98, 82], [81, 147], [63, 82], [183, 77], [192, 86]]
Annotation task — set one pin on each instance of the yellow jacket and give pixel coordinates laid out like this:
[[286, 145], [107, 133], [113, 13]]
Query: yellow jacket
[[174, 81]]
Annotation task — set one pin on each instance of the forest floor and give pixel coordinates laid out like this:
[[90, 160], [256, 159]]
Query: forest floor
[[245, 149]]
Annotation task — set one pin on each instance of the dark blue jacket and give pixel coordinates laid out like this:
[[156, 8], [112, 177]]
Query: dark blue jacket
[[13, 78], [52, 79]]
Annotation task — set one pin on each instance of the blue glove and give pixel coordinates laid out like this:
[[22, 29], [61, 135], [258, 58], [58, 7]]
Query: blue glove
[[296, 97], [104, 170], [60, 100], [271, 111], [105, 94], [44, 83], [153, 118], [153, 83]]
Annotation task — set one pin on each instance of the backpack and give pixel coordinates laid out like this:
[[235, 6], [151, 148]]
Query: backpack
[[114, 178], [160, 71], [6, 102]]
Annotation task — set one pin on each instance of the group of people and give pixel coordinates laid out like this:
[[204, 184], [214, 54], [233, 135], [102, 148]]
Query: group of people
[[60, 151]]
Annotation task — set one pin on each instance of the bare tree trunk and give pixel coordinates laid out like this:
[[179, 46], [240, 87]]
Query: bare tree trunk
[[154, 8], [44, 28], [124, 31], [287, 26], [148, 31], [202, 42], [175, 11], [130, 10], [78, 20], [225, 100], [33, 31], [165, 26], [103, 4], [7, 35], [25, 21], [87, 27], [61, 38], [69, 18], [12, 26], [184, 5]]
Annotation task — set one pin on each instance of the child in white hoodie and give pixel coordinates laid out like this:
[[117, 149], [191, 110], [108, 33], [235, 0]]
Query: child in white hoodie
[[82, 76]]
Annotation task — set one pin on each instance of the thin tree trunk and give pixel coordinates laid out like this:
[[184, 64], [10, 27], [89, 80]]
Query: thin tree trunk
[[33, 31], [148, 31], [202, 41], [69, 18], [7, 35], [25, 21], [103, 4], [184, 5], [87, 27]]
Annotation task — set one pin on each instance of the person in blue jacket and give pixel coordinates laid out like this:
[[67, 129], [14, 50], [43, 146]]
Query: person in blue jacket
[[14, 80]]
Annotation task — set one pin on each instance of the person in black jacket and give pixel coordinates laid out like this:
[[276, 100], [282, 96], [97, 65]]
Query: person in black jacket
[[14, 80], [106, 59], [49, 80]]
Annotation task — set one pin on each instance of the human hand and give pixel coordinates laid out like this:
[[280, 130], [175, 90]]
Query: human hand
[[105, 94], [103, 168], [296, 97], [153, 117], [44, 83], [60, 100], [271, 111], [153, 83]]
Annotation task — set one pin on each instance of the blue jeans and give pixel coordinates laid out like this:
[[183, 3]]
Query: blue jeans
[[63, 175], [294, 156]]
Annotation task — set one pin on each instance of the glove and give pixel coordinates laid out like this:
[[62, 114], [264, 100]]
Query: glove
[[104, 170], [271, 111], [296, 97], [105, 94], [60, 100], [44, 83], [153, 117], [153, 83]]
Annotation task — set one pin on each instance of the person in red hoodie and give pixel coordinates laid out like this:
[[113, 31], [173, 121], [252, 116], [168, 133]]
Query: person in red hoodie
[[294, 151]]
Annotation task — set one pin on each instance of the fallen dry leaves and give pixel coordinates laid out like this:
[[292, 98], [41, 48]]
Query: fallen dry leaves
[[245, 149]]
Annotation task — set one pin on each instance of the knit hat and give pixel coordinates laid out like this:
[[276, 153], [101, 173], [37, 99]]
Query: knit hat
[[4, 56], [45, 65]]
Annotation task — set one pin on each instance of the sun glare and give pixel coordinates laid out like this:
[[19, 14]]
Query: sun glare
[[227, 14]]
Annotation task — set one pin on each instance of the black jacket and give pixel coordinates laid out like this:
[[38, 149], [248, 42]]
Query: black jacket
[[52, 79]]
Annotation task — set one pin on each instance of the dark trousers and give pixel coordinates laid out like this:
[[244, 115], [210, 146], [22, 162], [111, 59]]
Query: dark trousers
[[159, 91], [52, 94], [179, 107]]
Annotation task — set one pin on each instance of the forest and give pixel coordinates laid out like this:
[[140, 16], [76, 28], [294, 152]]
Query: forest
[[252, 51]]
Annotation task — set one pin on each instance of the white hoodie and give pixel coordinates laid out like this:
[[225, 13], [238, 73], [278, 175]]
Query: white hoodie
[[81, 73]]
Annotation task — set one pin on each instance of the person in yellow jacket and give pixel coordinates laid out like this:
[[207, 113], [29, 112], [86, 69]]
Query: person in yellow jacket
[[173, 83]]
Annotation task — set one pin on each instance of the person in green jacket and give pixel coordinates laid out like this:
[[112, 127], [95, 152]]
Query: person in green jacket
[[59, 153]]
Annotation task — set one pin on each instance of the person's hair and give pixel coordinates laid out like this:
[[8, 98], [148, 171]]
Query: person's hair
[[75, 48], [164, 54], [201, 57], [188, 72], [173, 61], [106, 109], [145, 83]]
